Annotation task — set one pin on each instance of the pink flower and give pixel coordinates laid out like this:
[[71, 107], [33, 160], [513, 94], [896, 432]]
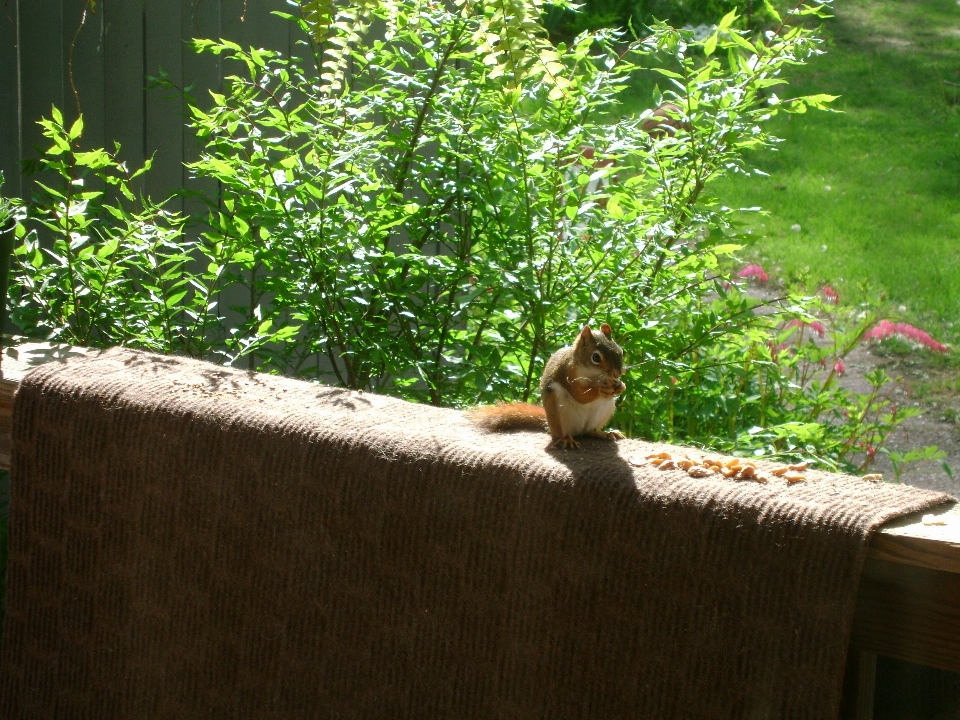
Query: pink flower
[[830, 294], [886, 328], [754, 271], [817, 326], [840, 368]]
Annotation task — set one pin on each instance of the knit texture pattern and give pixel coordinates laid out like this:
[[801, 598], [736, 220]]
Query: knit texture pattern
[[191, 541]]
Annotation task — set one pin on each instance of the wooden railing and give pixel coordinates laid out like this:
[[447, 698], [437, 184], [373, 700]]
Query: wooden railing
[[908, 604]]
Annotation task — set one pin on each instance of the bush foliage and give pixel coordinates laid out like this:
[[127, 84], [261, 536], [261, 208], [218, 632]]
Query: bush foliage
[[634, 16], [429, 199]]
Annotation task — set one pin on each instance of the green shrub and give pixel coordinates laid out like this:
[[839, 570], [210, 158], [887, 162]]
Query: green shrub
[[432, 210], [431, 220], [98, 266], [636, 16]]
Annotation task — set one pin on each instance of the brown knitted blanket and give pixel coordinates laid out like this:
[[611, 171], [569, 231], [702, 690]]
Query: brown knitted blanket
[[189, 541]]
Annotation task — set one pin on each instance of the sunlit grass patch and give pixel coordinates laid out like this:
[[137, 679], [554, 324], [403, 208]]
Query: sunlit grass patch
[[870, 196]]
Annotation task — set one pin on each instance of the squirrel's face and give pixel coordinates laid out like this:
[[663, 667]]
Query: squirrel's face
[[602, 358]]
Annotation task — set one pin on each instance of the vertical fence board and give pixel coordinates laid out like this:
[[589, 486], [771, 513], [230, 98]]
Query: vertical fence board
[[41, 70], [124, 95], [253, 24], [9, 100], [164, 114], [202, 72], [272, 32], [86, 41], [120, 46], [237, 24]]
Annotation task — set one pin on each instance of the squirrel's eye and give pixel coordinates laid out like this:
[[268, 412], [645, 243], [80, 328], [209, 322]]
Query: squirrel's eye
[[596, 358]]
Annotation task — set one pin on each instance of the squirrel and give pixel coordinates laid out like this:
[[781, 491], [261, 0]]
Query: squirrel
[[579, 389]]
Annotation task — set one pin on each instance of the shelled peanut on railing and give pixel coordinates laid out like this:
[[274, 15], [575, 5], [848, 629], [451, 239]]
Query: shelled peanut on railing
[[733, 468]]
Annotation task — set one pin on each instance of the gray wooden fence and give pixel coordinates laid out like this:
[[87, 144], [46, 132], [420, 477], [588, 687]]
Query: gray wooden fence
[[115, 52]]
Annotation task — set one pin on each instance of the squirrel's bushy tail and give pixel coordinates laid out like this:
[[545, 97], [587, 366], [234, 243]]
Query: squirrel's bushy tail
[[509, 416]]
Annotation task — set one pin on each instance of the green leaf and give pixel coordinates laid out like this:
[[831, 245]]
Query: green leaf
[[148, 163], [818, 101], [668, 73], [318, 15], [76, 129], [108, 248], [727, 20], [285, 333], [174, 300], [613, 207], [710, 44], [728, 249], [772, 10], [742, 41]]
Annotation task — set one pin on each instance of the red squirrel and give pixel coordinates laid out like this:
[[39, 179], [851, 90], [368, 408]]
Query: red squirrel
[[579, 389]]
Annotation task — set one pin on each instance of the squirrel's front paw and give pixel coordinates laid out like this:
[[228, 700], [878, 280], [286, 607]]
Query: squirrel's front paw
[[612, 435]]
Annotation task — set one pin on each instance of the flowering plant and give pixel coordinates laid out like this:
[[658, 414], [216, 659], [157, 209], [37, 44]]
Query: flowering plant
[[782, 382], [887, 328]]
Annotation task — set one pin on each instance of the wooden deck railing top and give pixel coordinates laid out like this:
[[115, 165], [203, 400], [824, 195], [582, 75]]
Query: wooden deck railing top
[[908, 601], [908, 541]]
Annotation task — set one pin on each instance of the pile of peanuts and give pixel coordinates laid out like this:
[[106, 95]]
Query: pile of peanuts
[[734, 468]]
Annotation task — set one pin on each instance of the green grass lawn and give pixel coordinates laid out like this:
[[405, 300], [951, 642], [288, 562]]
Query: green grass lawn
[[875, 189]]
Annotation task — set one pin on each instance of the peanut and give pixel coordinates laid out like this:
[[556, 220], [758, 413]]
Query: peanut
[[794, 478]]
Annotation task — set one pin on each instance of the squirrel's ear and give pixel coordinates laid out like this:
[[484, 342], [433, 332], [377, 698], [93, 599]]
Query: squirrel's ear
[[586, 333], [605, 329]]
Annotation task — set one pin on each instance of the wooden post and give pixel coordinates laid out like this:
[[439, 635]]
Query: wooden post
[[859, 685]]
